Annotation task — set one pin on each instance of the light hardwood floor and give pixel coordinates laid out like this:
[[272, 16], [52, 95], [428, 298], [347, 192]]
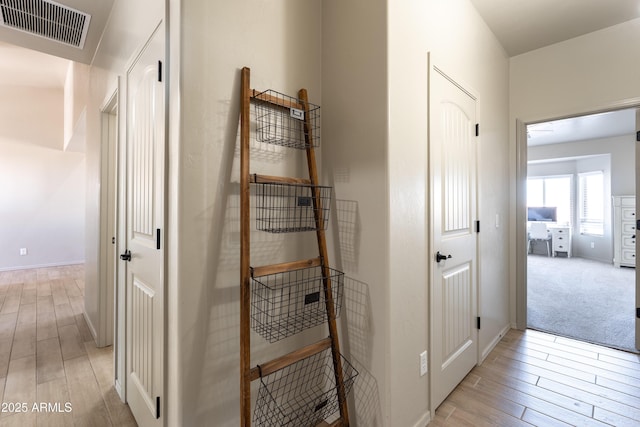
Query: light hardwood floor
[[48, 356], [533, 378]]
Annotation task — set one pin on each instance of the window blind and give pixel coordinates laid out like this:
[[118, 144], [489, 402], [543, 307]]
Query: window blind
[[591, 205]]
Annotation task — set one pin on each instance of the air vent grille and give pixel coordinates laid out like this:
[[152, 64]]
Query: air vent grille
[[46, 19]]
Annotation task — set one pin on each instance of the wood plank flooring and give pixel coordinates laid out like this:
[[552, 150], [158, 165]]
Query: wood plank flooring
[[533, 378], [48, 356]]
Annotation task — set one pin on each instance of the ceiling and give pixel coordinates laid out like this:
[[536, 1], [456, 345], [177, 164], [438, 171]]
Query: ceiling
[[525, 25], [603, 125]]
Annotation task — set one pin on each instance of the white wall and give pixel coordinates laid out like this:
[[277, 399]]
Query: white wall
[[463, 47], [621, 149], [76, 87], [579, 75], [42, 192], [281, 42], [354, 151], [582, 75]]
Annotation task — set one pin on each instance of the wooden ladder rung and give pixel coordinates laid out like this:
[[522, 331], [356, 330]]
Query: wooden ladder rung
[[289, 359], [284, 267], [268, 179], [255, 94]]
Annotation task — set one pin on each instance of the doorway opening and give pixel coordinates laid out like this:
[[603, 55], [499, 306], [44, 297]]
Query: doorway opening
[[577, 170]]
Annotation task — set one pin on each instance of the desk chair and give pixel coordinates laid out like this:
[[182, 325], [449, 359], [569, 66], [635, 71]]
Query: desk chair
[[539, 232]]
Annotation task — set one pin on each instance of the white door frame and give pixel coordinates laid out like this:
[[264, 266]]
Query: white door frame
[[108, 220], [112, 290], [521, 198], [521, 225]]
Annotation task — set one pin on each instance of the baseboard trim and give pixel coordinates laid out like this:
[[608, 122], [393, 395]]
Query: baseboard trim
[[119, 390], [424, 420], [90, 325], [52, 264], [488, 349]]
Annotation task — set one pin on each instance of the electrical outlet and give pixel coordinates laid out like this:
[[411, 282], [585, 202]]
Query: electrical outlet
[[423, 363], [23, 251], [593, 245]]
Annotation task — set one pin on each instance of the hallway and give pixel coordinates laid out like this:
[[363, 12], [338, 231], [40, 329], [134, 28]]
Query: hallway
[[48, 356]]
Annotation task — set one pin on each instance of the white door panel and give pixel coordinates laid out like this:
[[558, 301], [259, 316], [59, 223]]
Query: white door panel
[[452, 154], [145, 224], [456, 297]]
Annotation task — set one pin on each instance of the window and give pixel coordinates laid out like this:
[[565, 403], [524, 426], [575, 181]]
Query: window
[[551, 191], [591, 204]]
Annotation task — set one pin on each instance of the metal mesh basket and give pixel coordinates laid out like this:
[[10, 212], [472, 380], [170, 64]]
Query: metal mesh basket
[[302, 394], [280, 120], [284, 304], [283, 208]]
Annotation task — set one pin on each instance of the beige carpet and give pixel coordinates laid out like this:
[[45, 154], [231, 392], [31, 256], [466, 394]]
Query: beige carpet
[[582, 299]]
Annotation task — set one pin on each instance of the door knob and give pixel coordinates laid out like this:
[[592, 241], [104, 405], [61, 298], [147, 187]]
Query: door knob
[[441, 257], [126, 256]]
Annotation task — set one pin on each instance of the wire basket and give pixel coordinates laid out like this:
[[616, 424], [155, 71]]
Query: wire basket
[[302, 394], [284, 304], [284, 208], [280, 120]]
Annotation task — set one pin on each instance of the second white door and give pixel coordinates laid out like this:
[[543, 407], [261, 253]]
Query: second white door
[[145, 233], [453, 296]]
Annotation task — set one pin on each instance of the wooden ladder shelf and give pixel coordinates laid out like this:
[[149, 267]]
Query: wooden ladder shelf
[[250, 373]]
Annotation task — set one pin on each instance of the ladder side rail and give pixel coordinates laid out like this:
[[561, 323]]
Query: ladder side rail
[[245, 253], [322, 247]]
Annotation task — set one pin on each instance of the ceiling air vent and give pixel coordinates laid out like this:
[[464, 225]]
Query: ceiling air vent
[[46, 19]]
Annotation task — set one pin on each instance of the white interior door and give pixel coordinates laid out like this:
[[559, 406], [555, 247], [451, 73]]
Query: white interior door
[[453, 296], [145, 230]]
